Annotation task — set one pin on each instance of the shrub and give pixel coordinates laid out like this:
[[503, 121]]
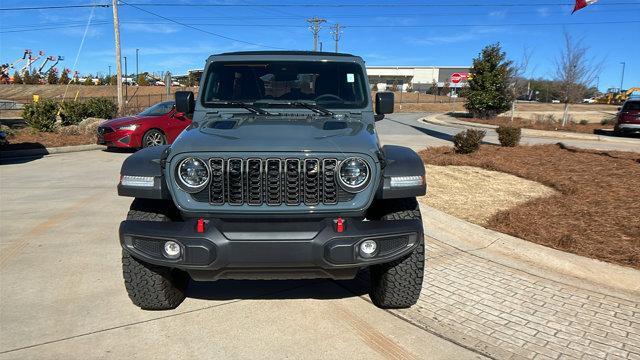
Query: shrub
[[73, 112], [609, 121], [468, 141], [508, 135], [41, 115], [584, 122], [101, 108]]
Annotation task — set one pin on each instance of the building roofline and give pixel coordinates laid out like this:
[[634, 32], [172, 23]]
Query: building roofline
[[416, 67]]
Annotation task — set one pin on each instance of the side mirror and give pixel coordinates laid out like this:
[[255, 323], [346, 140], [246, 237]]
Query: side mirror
[[185, 102], [384, 104]]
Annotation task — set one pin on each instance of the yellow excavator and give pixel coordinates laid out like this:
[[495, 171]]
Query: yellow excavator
[[616, 97]]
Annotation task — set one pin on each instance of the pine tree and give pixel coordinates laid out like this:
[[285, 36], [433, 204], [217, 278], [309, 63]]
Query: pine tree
[[88, 80], [488, 93], [52, 77], [26, 78], [35, 77], [17, 79], [64, 77]]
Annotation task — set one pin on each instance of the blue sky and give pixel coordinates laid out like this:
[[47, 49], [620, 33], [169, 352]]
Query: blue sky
[[396, 34]]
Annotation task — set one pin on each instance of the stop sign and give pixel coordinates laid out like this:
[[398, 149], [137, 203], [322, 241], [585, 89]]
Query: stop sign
[[456, 78]]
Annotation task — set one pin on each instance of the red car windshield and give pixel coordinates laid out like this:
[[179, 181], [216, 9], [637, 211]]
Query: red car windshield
[[158, 109]]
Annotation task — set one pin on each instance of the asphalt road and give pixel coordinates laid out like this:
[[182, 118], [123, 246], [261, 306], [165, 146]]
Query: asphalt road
[[406, 129], [62, 294]]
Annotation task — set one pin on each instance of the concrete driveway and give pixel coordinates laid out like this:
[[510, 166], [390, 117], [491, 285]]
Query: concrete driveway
[[62, 294], [405, 129]]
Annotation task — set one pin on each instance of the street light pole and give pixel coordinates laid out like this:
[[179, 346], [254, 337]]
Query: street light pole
[[137, 73], [622, 77]]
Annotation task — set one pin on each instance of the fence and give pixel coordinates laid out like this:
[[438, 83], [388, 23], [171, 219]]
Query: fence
[[404, 97]]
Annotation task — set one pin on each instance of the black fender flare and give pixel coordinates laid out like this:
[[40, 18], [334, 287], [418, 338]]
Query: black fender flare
[[147, 162], [400, 161]]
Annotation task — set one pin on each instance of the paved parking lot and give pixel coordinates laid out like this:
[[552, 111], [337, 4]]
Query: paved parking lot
[[62, 294], [63, 297]]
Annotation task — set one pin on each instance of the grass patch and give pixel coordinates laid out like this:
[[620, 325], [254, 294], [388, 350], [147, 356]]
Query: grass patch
[[595, 212], [548, 123]]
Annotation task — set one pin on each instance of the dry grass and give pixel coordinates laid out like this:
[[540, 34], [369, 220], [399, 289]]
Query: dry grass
[[595, 212], [24, 92], [451, 187], [533, 124]]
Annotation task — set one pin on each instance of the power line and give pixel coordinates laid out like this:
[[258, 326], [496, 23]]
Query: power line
[[97, 23], [302, 5], [53, 7], [201, 30]]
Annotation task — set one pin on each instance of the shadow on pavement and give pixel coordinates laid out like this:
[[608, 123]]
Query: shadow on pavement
[[275, 289], [432, 133], [120, 150]]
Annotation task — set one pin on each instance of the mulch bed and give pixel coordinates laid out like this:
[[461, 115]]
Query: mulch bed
[[29, 139], [596, 212], [538, 125]]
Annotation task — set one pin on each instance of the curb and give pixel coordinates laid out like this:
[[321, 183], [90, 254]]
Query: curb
[[542, 261], [49, 151], [531, 132]]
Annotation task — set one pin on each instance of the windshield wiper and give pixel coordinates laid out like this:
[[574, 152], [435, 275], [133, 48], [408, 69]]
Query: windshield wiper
[[313, 107], [254, 109]]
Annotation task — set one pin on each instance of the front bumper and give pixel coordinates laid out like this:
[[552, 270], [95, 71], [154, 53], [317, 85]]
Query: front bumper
[[270, 250], [119, 138], [628, 128]]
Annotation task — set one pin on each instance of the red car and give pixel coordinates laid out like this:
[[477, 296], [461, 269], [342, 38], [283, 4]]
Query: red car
[[157, 125], [628, 121]]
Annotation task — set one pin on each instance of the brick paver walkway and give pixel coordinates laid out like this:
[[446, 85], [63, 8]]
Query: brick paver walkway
[[507, 313]]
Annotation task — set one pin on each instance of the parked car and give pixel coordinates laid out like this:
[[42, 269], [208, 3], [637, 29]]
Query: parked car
[[158, 125], [589, 101], [554, 101], [283, 178], [628, 119]]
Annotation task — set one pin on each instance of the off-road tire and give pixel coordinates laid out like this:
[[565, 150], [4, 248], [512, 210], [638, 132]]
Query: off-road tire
[[397, 284], [149, 286]]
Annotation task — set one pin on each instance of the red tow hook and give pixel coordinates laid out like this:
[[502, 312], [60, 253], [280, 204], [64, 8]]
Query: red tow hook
[[200, 226], [339, 225]]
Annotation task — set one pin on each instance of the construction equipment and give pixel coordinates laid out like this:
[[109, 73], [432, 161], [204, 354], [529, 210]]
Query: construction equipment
[[57, 59], [615, 96]]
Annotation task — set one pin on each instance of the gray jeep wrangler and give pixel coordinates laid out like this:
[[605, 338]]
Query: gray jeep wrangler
[[280, 176]]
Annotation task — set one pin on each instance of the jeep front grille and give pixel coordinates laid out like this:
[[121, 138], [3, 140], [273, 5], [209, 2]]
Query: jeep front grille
[[273, 181]]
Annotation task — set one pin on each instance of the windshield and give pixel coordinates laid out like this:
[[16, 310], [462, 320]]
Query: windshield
[[158, 109], [329, 84], [631, 106]]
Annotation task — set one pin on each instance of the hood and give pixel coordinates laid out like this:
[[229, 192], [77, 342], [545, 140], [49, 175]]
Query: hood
[[278, 134], [114, 123]]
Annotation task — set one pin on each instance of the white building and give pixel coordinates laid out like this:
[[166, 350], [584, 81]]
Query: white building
[[416, 78]]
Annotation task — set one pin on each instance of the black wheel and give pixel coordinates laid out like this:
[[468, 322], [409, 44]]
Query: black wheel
[[397, 284], [149, 286], [153, 137]]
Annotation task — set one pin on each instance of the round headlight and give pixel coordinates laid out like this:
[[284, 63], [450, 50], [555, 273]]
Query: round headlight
[[354, 174], [193, 174]]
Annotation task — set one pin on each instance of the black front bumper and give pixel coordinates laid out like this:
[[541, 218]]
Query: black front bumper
[[270, 250]]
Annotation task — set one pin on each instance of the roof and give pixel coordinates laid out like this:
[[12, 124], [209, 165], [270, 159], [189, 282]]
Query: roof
[[286, 52]]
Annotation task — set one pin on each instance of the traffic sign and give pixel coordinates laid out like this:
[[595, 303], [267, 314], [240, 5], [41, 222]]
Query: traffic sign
[[456, 78]]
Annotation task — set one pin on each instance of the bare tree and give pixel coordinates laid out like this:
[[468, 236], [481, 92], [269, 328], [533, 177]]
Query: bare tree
[[575, 71], [517, 72]]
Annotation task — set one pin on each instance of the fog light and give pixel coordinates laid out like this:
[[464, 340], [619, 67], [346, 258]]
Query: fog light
[[171, 250], [368, 248]]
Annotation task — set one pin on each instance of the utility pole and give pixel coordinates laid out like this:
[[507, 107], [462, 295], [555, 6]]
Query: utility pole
[[109, 73], [622, 77], [336, 31], [137, 73], [315, 29], [116, 30]]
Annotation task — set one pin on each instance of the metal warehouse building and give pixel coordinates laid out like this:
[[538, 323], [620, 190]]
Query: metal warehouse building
[[416, 78]]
